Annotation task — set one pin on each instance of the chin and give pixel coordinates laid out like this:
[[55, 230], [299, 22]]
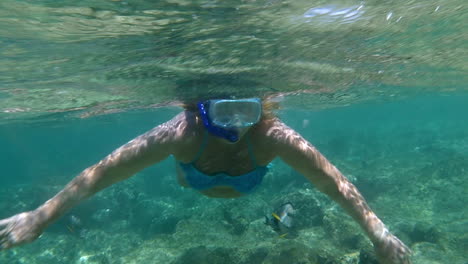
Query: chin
[[242, 131]]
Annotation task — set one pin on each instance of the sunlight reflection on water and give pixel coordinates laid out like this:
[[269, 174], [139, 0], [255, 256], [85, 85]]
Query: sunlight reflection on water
[[334, 14]]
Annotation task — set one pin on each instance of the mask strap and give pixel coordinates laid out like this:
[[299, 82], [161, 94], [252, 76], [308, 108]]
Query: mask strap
[[229, 135]]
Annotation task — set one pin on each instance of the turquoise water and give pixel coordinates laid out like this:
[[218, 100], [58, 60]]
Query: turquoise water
[[379, 88], [409, 159]]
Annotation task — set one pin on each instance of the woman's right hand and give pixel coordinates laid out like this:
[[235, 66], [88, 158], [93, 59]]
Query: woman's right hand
[[392, 251], [19, 229]]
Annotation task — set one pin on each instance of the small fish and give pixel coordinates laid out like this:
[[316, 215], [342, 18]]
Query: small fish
[[281, 220], [75, 220], [74, 224]]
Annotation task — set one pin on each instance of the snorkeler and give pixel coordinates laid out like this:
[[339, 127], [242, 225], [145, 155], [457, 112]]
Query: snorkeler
[[222, 148]]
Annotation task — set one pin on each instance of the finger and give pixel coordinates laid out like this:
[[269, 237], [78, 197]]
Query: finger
[[3, 233], [3, 242], [5, 245], [4, 222]]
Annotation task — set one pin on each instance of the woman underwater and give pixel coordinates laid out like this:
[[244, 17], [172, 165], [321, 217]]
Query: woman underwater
[[222, 148]]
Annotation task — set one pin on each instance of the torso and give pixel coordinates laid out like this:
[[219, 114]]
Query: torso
[[220, 156]]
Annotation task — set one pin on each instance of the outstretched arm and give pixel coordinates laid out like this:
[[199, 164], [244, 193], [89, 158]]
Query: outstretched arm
[[141, 152], [306, 159]]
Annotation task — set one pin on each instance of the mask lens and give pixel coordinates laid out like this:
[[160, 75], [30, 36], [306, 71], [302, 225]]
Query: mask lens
[[235, 113]]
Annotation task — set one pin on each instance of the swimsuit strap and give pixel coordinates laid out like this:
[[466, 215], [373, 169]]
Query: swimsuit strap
[[251, 154], [202, 147]]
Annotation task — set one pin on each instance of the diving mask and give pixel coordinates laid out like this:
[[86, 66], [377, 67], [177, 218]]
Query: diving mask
[[235, 113]]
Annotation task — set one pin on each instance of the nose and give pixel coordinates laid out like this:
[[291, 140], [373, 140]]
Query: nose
[[236, 121]]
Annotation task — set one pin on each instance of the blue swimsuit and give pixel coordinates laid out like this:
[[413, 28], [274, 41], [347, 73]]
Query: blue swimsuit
[[245, 183]]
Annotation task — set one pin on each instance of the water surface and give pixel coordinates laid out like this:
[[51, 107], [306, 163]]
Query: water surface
[[378, 87]]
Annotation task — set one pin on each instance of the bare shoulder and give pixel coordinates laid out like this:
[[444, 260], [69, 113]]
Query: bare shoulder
[[281, 139], [181, 129], [287, 144], [167, 137], [275, 137], [184, 131], [276, 132]]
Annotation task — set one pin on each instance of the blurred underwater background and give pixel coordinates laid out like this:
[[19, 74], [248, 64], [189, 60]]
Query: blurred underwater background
[[378, 87]]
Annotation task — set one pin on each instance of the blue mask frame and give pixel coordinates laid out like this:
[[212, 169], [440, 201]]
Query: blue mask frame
[[228, 134]]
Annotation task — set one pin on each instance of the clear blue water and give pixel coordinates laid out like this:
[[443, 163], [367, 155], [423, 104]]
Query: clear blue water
[[379, 88]]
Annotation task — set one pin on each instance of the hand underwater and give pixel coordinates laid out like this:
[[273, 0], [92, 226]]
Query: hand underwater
[[19, 229], [392, 251]]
